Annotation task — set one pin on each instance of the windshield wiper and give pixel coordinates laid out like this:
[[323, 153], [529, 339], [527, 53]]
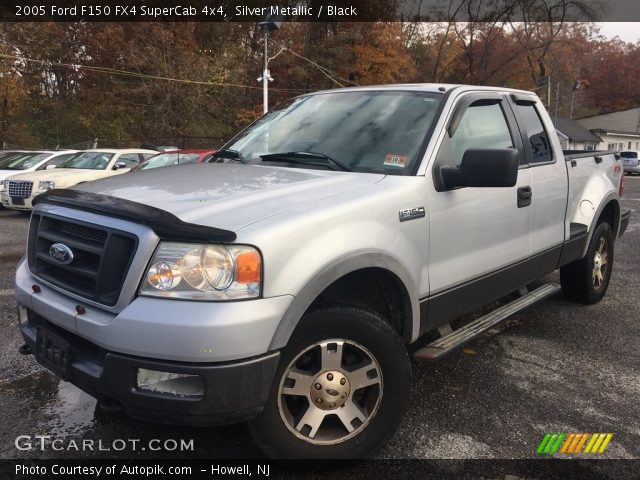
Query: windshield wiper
[[227, 154], [300, 157]]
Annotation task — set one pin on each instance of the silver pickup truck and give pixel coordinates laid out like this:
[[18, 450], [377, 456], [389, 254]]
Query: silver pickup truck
[[288, 281]]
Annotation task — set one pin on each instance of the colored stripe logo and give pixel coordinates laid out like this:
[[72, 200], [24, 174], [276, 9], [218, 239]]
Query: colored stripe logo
[[574, 443]]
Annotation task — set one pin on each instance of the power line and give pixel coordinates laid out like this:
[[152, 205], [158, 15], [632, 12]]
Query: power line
[[114, 71], [333, 76]]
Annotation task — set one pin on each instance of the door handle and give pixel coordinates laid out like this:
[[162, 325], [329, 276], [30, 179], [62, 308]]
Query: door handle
[[524, 196]]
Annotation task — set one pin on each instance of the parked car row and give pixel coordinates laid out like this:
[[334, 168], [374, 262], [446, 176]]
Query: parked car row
[[26, 174]]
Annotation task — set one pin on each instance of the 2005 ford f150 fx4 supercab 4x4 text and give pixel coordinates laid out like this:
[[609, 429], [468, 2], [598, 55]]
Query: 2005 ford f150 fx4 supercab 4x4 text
[[286, 282]]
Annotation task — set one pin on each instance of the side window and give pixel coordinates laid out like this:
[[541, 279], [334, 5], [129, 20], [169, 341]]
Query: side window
[[130, 159], [56, 160], [538, 140], [482, 126]]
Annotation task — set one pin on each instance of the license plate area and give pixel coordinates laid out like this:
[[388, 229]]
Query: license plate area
[[17, 200], [53, 353]]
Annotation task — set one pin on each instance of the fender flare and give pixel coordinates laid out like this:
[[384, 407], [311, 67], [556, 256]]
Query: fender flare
[[611, 197], [337, 269]]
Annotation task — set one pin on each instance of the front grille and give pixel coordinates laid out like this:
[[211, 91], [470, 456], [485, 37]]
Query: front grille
[[101, 257], [20, 188]]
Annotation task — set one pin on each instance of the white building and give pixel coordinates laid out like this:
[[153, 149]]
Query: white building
[[617, 130], [574, 136]]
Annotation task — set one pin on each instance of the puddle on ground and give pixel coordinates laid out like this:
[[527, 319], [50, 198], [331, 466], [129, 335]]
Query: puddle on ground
[[72, 410], [65, 408], [42, 404]]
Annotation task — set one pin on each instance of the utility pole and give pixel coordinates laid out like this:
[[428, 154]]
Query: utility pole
[[576, 86], [555, 118], [268, 24]]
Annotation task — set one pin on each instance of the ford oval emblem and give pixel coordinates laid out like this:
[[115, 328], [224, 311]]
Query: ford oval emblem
[[61, 253]]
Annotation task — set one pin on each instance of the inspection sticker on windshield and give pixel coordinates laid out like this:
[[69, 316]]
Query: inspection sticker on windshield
[[395, 160]]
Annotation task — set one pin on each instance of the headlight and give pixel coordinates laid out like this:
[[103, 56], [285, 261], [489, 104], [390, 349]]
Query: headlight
[[46, 185], [3, 185], [203, 272]]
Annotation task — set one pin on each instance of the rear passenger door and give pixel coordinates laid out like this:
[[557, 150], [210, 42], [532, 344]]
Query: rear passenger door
[[549, 187]]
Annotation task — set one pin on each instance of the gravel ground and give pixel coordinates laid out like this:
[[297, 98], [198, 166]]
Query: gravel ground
[[555, 367]]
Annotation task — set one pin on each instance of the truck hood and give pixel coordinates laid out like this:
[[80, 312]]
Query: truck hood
[[63, 177], [228, 196]]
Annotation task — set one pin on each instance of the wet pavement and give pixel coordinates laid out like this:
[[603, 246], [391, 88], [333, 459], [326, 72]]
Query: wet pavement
[[556, 367]]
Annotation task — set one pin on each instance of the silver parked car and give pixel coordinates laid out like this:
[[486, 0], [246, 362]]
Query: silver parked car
[[630, 163]]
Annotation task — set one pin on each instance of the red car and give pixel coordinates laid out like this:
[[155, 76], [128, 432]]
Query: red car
[[176, 157]]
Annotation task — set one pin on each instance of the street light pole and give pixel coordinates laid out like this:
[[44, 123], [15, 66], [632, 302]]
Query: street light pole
[[269, 23], [265, 74]]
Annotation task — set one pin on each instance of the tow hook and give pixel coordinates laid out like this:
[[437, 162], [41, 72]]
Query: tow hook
[[25, 350]]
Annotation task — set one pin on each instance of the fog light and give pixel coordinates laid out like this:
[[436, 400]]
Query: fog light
[[176, 384]]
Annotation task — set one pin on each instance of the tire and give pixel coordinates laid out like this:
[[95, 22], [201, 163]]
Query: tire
[[371, 353], [580, 280]]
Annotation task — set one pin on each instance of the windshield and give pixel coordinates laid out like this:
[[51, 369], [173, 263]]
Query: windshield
[[89, 161], [629, 154], [6, 155], [379, 131], [23, 161], [165, 159]]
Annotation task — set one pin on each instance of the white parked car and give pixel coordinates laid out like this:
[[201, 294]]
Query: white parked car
[[18, 191], [15, 162]]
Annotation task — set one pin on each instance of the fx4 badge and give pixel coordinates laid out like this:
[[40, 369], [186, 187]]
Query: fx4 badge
[[411, 213]]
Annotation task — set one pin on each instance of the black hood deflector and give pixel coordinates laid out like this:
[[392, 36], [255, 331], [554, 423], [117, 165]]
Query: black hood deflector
[[166, 225]]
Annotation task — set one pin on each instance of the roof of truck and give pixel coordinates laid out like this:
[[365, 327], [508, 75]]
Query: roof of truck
[[423, 87]]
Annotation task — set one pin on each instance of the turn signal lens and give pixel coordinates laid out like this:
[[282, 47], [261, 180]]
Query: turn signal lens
[[248, 267]]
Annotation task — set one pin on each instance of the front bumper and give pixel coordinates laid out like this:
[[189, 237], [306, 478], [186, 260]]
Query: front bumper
[[226, 343], [234, 391], [164, 329], [7, 202]]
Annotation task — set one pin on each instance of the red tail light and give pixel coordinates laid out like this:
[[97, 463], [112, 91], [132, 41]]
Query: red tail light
[[622, 184]]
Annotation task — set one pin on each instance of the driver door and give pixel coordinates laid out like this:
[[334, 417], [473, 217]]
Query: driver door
[[479, 236]]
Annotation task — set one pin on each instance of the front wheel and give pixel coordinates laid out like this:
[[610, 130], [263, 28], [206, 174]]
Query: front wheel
[[587, 280], [340, 390]]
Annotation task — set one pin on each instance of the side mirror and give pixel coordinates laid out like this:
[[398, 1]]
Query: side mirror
[[119, 165], [50, 167], [483, 168]]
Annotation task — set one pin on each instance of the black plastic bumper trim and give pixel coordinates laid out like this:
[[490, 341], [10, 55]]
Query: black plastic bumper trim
[[166, 225], [234, 391]]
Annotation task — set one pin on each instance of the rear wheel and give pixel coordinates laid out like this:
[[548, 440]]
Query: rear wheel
[[587, 280], [340, 390]]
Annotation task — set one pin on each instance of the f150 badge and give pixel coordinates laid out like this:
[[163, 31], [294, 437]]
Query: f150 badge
[[411, 213]]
